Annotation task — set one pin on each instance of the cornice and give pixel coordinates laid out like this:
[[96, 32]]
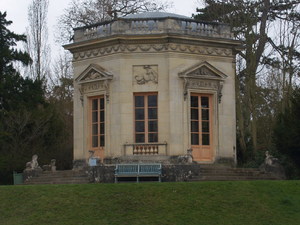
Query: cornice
[[150, 39], [153, 48]]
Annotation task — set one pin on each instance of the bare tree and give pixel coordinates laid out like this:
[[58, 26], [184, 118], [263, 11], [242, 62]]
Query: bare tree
[[62, 83], [251, 22], [37, 39], [86, 12], [287, 51]]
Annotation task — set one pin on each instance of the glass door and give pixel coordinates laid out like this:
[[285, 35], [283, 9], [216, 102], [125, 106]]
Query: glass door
[[201, 126]]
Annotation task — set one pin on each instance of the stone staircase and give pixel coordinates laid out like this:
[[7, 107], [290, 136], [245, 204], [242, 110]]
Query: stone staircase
[[223, 173], [59, 177], [204, 173]]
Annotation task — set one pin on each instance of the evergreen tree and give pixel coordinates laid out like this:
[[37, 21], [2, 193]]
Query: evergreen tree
[[15, 91], [287, 136], [9, 54], [18, 96]]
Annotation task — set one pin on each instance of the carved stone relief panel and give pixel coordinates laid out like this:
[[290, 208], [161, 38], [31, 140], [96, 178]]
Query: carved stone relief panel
[[209, 84], [94, 86], [203, 71], [92, 75], [145, 74], [203, 84]]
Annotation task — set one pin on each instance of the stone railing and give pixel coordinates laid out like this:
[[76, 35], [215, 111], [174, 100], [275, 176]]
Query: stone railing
[[125, 26], [145, 149]]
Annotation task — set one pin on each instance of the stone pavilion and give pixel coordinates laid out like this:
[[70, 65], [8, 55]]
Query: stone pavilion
[[154, 85]]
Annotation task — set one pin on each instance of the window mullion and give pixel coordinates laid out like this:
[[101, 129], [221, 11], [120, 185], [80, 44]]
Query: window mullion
[[98, 123], [200, 119], [146, 118]]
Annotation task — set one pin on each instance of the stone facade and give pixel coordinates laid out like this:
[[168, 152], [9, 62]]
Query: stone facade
[[172, 57]]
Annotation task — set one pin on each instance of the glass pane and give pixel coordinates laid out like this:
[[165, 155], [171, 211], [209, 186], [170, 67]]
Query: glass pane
[[152, 126], [204, 102], [152, 137], [95, 129], [205, 114], [152, 100], [205, 139], [139, 101], [101, 103], [94, 117], [102, 128], [102, 140], [140, 138], [152, 113], [194, 114], [101, 116], [139, 114], [205, 126], [194, 126], [95, 141], [195, 139], [139, 126], [194, 101], [95, 104]]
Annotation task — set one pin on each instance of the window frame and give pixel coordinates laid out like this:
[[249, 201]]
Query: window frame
[[99, 122], [200, 119], [146, 118]]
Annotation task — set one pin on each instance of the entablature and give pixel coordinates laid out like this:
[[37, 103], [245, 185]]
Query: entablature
[[94, 78], [203, 76]]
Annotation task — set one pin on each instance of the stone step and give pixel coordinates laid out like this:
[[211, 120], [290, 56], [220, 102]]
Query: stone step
[[59, 177], [229, 178], [230, 169], [64, 173], [226, 173], [70, 181], [49, 176], [234, 175], [58, 182], [233, 172]]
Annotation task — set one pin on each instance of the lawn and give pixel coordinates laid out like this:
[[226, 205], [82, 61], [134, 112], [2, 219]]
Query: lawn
[[247, 202]]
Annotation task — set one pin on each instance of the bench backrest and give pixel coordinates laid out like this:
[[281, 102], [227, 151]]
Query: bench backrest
[[127, 169], [150, 168], [138, 169]]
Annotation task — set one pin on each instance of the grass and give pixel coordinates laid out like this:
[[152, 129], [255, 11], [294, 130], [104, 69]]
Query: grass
[[247, 202]]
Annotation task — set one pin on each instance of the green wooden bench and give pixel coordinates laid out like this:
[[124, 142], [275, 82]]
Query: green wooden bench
[[138, 171]]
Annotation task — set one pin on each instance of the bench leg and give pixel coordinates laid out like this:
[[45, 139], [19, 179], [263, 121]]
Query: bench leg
[[137, 179]]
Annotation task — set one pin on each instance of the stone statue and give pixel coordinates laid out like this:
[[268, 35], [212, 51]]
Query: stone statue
[[186, 159], [272, 165], [190, 155], [270, 160], [51, 166], [33, 164]]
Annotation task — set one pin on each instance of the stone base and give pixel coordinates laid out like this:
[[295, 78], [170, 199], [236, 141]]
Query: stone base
[[170, 173], [79, 164], [163, 159], [28, 174], [226, 161], [276, 170]]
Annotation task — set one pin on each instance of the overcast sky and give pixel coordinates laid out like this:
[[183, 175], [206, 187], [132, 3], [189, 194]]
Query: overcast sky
[[17, 12]]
